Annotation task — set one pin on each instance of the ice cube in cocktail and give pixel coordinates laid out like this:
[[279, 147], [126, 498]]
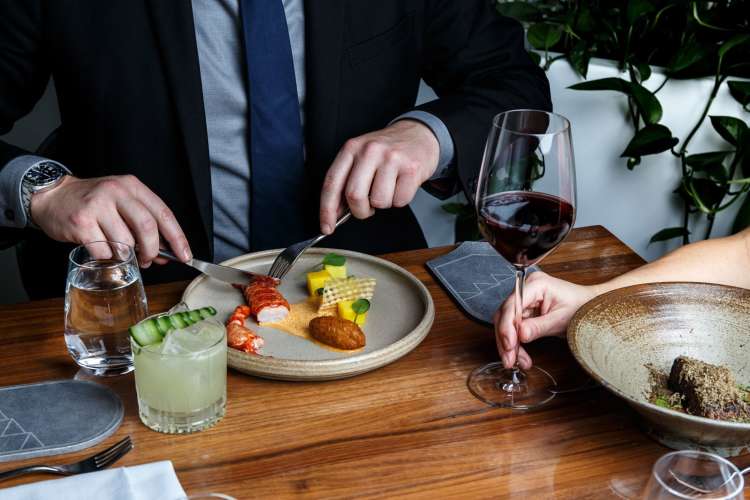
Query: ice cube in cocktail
[[181, 381]]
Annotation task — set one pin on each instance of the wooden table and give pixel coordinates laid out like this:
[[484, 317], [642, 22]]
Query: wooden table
[[411, 428]]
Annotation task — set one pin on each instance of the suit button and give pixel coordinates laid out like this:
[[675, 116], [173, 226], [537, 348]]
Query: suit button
[[9, 214]]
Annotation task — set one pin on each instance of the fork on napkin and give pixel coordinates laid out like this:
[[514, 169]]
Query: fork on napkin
[[156, 480]]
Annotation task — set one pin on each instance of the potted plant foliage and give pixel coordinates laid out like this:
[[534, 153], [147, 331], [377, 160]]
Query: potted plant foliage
[[655, 44]]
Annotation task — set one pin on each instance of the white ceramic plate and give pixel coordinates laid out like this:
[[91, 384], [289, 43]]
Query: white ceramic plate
[[401, 316]]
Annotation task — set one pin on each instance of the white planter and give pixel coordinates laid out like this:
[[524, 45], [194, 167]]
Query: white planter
[[632, 204]]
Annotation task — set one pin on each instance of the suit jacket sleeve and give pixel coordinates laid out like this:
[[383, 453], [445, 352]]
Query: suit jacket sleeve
[[24, 73], [476, 62], [24, 68]]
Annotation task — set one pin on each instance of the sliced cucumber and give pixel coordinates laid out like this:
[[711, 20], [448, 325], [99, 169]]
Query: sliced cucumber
[[207, 312], [146, 332], [164, 325], [177, 321], [153, 330]]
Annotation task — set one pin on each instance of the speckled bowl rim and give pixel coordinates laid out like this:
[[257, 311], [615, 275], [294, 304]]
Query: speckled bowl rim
[[602, 300], [303, 370]]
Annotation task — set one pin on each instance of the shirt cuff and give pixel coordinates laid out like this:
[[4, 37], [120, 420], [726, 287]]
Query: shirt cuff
[[445, 141], [12, 211]]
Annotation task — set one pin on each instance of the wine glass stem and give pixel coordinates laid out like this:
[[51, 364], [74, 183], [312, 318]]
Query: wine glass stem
[[520, 279], [515, 383]]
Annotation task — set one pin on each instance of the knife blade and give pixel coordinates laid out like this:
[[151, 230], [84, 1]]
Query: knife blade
[[226, 274]]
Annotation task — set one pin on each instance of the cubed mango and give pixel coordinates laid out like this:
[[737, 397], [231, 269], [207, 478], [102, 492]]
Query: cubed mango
[[346, 312], [336, 271], [317, 280]]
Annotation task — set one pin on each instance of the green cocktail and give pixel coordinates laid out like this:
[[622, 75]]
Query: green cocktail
[[181, 381]]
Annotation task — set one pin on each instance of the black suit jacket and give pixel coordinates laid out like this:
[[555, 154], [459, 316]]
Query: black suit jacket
[[129, 90]]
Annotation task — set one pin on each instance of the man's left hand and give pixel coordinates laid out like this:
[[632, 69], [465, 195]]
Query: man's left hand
[[382, 169]]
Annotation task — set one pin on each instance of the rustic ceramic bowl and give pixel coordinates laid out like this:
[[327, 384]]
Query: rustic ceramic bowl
[[616, 335]]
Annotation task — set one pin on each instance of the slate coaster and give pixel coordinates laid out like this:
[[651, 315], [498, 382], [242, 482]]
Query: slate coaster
[[477, 277], [55, 417]]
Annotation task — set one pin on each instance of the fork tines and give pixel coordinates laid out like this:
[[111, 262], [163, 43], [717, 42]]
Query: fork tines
[[113, 453]]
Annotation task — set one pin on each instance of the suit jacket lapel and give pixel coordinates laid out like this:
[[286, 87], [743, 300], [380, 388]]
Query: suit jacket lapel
[[175, 33], [324, 42]]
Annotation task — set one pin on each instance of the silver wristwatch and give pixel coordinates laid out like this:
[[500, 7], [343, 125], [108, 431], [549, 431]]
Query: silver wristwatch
[[41, 177]]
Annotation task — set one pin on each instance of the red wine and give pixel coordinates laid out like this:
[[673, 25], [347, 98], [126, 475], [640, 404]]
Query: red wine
[[524, 226]]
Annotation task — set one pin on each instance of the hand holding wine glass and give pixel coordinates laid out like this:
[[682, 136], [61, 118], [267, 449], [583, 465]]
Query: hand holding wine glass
[[525, 203]]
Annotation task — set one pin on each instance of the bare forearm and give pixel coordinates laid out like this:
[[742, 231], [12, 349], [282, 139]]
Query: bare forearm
[[723, 260]]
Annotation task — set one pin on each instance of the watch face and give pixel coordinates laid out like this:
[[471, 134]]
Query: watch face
[[44, 173]]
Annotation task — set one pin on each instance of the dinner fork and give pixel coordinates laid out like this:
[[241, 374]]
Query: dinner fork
[[99, 461], [286, 259]]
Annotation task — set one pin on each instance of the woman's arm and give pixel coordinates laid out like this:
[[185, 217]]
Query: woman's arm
[[723, 260]]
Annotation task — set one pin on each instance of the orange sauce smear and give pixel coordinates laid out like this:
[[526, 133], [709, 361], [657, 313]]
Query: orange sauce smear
[[298, 320]]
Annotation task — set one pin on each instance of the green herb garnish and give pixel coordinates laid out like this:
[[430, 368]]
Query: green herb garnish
[[319, 291], [333, 259], [360, 306]]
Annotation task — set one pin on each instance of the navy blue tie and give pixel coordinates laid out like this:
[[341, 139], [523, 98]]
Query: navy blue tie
[[275, 128]]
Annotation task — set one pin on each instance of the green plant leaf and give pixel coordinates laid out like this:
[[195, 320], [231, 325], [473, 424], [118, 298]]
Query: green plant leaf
[[521, 11], [705, 193], [616, 84], [742, 220], [638, 8], [648, 105], [740, 91], [579, 58], [644, 71], [668, 234], [690, 54], [705, 161], [584, 21], [734, 41], [731, 129], [535, 57], [361, 306], [334, 259], [458, 208], [542, 36], [651, 139]]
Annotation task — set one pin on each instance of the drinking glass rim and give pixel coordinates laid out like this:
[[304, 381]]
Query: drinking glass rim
[[134, 344], [497, 118], [88, 265], [734, 470]]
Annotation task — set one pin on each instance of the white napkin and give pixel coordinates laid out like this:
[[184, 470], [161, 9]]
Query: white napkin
[[142, 482]]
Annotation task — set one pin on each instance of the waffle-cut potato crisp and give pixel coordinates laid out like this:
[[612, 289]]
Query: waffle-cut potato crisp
[[339, 289]]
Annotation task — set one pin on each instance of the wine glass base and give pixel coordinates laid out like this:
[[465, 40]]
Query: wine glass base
[[496, 386]]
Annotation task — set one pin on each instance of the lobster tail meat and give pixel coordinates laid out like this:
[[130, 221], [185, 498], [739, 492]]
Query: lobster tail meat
[[239, 336], [265, 301]]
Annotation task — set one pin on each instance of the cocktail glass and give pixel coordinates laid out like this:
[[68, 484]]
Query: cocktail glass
[[182, 382]]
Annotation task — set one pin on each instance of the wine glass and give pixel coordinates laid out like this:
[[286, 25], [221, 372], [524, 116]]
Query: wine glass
[[694, 474], [525, 202]]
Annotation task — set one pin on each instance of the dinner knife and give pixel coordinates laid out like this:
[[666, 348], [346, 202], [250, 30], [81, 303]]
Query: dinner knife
[[222, 273]]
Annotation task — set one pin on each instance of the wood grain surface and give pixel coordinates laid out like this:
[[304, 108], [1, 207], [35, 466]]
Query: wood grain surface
[[409, 429]]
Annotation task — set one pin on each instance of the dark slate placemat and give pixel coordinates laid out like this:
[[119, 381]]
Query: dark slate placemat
[[477, 277], [55, 417]]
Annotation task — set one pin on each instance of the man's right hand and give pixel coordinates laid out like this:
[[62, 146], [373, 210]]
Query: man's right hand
[[116, 208]]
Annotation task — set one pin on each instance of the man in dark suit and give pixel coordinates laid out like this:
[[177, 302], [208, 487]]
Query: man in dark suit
[[239, 125]]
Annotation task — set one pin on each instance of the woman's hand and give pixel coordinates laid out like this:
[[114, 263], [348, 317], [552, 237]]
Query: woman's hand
[[549, 305]]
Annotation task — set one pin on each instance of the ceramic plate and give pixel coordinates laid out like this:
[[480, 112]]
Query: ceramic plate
[[618, 334], [401, 316]]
